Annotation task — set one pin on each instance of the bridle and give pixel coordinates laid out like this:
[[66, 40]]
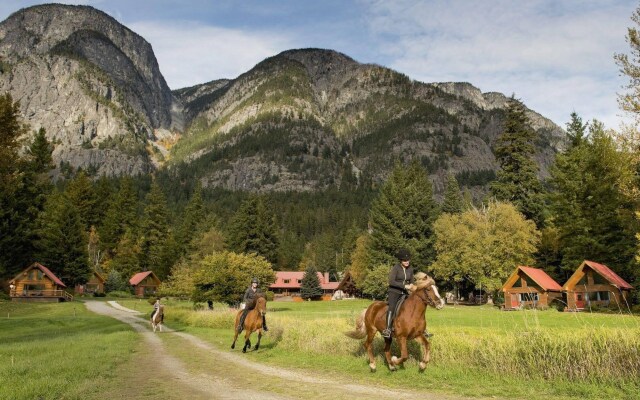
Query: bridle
[[427, 300]]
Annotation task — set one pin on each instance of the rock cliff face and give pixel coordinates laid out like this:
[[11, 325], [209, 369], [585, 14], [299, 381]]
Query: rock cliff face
[[92, 83], [307, 119], [302, 120]]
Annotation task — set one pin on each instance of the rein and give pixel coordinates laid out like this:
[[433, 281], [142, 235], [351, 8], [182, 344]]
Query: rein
[[426, 300]]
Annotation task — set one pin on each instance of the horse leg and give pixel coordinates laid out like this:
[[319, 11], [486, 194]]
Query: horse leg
[[404, 353], [247, 342], [387, 354], [368, 346], [259, 337], [235, 337], [426, 352]]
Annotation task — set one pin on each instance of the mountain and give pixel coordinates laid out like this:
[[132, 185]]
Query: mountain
[[92, 83], [311, 118], [303, 120]]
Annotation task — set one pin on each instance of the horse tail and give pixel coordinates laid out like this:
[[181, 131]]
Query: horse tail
[[360, 331]]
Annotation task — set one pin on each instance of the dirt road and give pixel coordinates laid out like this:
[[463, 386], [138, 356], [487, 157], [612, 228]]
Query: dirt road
[[176, 365]]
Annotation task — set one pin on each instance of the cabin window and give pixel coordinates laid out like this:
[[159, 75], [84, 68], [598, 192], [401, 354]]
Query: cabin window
[[35, 275], [582, 281], [528, 297], [518, 282], [598, 279], [599, 296], [286, 280], [299, 280]]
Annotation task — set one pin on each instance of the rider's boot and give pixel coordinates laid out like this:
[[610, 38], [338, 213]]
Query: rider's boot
[[387, 332], [427, 334], [242, 317], [264, 324]]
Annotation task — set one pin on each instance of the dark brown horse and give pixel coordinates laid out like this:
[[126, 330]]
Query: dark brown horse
[[409, 324], [252, 323]]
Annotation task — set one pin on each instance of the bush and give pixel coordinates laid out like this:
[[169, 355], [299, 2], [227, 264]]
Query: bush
[[120, 294], [269, 295], [98, 294]]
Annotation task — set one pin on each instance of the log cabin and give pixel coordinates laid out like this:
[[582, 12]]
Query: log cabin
[[37, 283]]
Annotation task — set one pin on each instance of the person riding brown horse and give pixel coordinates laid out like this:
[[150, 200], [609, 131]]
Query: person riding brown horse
[[253, 322], [400, 279], [249, 300], [410, 323]]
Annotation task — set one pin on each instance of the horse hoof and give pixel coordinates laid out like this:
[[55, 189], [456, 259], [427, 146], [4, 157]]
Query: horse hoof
[[392, 368], [372, 367], [233, 346], [394, 360], [422, 366], [256, 348], [244, 350]]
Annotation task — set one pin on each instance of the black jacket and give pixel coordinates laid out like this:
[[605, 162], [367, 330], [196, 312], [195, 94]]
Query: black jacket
[[400, 276], [250, 296]]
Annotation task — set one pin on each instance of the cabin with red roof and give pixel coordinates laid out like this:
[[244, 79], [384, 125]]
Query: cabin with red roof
[[530, 287], [37, 284], [595, 284], [145, 283], [288, 284], [95, 284]]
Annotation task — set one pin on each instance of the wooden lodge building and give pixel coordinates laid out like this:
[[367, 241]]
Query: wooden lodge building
[[94, 285], [288, 284], [145, 283], [595, 284], [37, 284], [530, 287]]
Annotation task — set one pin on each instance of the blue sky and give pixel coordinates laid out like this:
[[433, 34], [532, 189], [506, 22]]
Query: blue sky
[[557, 56]]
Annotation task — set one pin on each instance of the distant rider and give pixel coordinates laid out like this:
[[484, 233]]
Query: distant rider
[[250, 296], [156, 306]]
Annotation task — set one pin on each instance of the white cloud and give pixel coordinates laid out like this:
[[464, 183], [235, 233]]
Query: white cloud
[[556, 57], [190, 53]]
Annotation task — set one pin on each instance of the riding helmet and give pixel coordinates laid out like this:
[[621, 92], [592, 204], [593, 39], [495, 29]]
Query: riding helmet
[[254, 280], [404, 255]]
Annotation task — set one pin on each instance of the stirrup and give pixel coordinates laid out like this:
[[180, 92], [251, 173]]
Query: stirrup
[[386, 333], [427, 334]]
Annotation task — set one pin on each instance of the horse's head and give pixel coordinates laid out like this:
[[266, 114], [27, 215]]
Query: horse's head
[[261, 305], [428, 285]]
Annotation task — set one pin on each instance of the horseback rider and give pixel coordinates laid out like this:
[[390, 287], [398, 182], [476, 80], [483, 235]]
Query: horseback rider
[[250, 296], [400, 279], [156, 306]]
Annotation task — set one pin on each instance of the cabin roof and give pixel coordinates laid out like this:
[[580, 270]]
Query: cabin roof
[[537, 275], [605, 272], [294, 276], [140, 276], [45, 270]]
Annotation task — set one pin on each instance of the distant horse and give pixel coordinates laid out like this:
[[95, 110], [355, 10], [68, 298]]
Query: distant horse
[[157, 317], [409, 323], [252, 323]]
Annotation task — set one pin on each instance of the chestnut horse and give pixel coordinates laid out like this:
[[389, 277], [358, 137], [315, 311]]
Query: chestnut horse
[[156, 318], [409, 323], [252, 323]]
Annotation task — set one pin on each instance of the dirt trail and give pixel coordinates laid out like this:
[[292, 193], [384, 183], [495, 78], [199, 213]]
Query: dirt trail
[[228, 380]]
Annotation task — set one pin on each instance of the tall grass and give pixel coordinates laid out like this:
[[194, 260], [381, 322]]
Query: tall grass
[[547, 345]]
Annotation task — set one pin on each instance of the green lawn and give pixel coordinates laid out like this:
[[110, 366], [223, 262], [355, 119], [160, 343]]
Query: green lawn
[[59, 350], [476, 351]]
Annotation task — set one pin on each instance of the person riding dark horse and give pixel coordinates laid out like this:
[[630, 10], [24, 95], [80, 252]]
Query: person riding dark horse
[[400, 279], [250, 296]]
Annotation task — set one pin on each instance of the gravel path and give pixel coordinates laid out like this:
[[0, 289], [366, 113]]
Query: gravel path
[[229, 382]]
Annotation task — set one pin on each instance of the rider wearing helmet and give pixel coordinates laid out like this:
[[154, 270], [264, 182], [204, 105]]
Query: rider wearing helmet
[[250, 296], [400, 278]]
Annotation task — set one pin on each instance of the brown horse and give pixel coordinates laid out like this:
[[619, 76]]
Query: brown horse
[[157, 317], [252, 323], [409, 323]]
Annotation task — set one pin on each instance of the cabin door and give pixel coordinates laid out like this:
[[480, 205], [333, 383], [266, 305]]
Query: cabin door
[[579, 300], [515, 300]]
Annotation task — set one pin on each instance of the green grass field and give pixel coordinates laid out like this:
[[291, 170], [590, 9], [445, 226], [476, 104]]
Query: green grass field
[[59, 351], [54, 351], [476, 351]]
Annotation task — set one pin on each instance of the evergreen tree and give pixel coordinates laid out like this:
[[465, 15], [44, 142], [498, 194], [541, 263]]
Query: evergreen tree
[[192, 222], [62, 243], [155, 229], [253, 230], [517, 180], [126, 259], [310, 285], [83, 197], [402, 217], [592, 215], [122, 215], [453, 202], [576, 130], [40, 153]]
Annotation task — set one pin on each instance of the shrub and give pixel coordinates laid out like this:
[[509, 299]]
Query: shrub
[[120, 294]]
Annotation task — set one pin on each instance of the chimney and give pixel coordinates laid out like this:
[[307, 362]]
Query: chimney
[[326, 277]]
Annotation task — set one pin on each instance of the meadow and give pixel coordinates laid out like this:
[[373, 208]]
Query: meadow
[[53, 351], [477, 351]]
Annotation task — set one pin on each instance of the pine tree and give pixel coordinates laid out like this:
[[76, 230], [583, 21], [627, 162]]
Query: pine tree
[[310, 285], [126, 258], [453, 202], [576, 130], [82, 195], [62, 243], [120, 216], [402, 216], [192, 222], [253, 230], [517, 180], [592, 216], [155, 229]]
